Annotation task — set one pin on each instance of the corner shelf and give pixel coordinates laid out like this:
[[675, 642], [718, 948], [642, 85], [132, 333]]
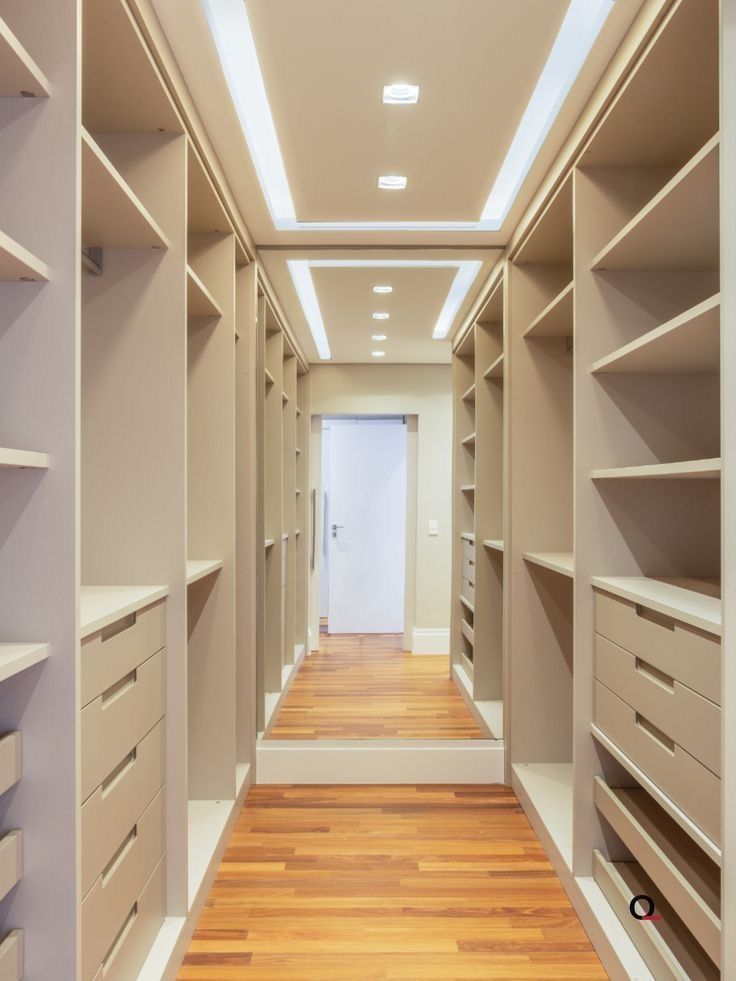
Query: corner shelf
[[15, 658], [556, 320], [687, 344], [201, 568], [99, 606], [200, 302], [17, 263], [23, 459], [561, 562], [19, 73], [495, 370], [495, 544], [675, 230], [112, 215], [695, 601], [684, 470]]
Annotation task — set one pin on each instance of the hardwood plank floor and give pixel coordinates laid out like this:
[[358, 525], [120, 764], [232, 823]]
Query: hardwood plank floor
[[365, 686], [350, 883]]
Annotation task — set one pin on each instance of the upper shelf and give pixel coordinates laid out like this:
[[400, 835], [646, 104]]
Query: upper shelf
[[678, 228], [18, 263], [200, 302], [695, 601], [99, 606], [22, 459], [682, 470], [688, 344], [561, 562], [495, 370], [19, 73], [15, 658], [200, 568], [556, 320], [112, 215], [550, 240]]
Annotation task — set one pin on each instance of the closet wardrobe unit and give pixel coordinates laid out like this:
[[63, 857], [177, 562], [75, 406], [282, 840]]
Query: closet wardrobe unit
[[618, 307], [129, 357]]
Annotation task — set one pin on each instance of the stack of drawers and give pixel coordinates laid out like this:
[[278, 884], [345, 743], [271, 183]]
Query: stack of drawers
[[467, 589], [657, 698], [123, 793]]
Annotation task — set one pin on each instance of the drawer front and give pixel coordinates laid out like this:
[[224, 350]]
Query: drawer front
[[107, 905], [119, 719], [469, 570], [112, 653], [692, 721], [688, 783], [130, 948], [10, 760], [11, 956], [468, 591], [691, 657], [468, 550], [111, 811], [11, 861]]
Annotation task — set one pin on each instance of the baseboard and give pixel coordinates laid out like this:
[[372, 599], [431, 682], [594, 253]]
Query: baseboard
[[430, 640], [384, 761]]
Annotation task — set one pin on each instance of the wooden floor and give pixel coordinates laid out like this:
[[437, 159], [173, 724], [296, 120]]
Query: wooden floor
[[359, 883], [365, 686]]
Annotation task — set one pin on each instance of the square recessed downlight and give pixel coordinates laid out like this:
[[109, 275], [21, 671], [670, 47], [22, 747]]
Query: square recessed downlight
[[381, 316], [400, 94], [392, 182], [378, 337], [383, 289], [378, 354]]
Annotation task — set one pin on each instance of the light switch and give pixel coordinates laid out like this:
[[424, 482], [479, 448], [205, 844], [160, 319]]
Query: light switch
[[434, 527]]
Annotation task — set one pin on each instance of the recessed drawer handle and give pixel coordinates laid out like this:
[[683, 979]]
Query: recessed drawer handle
[[119, 772], [118, 627], [654, 674], [116, 690], [120, 939], [657, 735], [119, 856], [660, 619]]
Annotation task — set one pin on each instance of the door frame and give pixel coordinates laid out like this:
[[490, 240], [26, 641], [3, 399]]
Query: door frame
[[318, 532]]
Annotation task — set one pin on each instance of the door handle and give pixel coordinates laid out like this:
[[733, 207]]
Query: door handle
[[335, 529]]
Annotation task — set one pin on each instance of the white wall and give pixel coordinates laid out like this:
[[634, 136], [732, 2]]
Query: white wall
[[424, 391]]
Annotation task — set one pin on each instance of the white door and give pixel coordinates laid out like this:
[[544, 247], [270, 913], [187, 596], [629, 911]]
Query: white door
[[367, 527]]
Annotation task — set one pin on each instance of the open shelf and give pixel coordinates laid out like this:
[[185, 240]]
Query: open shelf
[[200, 302], [469, 394], [548, 787], [268, 543], [23, 459], [19, 73], [17, 263], [682, 470], [112, 215], [467, 604], [691, 600], [269, 378], [495, 369], [284, 398], [469, 440], [15, 658], [687, 344], [468, 536], [495, 544], [556, 320], [468, 489], [561, 562], [201, 568], [207, 821], [487, 712], [678, 228], [99, 606]]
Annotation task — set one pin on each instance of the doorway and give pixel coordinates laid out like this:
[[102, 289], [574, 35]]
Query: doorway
[[364, 496]]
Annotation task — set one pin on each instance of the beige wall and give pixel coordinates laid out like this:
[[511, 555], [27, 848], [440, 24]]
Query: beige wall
[[424, 391]]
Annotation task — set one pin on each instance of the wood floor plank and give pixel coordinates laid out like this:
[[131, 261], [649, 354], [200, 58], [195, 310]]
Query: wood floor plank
[[365, 686], [387, 883]]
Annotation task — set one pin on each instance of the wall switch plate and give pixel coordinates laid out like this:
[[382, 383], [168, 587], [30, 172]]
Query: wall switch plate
[[433, 527]]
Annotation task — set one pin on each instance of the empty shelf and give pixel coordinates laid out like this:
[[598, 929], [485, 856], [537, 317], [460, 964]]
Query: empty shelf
[[22, 459], [103, 605], [468, 488], [469, 440], [467, 631], [561, 562], [678, 228], [200, 302], [467, 604], [495, 370], [468, 536], [269, 378], [19, 73], [682, 470], [18, 263], [690, 600], [15, 658], [269, 543], [200, 568], [548, 789], [297, 491], [556, 320], [284, 397], [496, 544], [112, 215], [469, 395], [298, 451], [11, 861], [298, 411]]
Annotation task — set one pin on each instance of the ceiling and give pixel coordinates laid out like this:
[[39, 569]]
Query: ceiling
[[323, 65]]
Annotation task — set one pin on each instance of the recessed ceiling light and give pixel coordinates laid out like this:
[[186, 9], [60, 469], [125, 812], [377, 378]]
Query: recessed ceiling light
[[381, 316], [383, 289], [392, 182], [400, 94], [378, 337], [378, 354]]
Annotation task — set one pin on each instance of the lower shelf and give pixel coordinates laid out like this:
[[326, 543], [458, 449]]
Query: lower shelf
[[547, 788], [207, 820]]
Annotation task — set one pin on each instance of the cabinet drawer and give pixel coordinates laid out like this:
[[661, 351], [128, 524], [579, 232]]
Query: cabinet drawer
[[686, 654], [468, 550], [688, 783], [110, 654], [10, 760], [11, 861], [468, 591], [110, 812], [469, 570], [11, 956], [108, 904], [689, 719], [117, 721], [140, 928]]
